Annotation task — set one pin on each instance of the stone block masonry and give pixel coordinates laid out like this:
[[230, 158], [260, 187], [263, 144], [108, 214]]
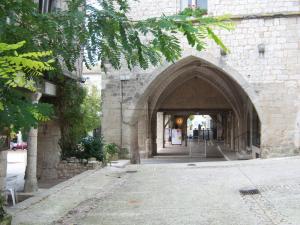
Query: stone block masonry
[[271, 80], [237, 7], [66, 170]]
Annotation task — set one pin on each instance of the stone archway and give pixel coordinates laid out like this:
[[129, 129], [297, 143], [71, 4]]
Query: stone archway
[[164, 80]]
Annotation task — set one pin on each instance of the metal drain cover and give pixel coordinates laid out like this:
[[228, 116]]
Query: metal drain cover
[[131, 171], [249, 191], [191, 164]]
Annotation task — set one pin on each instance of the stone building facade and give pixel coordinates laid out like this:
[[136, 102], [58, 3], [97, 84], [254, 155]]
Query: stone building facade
[[255, 88]]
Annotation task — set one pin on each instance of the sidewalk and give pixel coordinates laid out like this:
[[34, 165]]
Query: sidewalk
[[49, 205], [205, 193], [16, 163]]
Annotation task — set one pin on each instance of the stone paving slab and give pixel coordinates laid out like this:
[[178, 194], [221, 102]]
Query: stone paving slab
[[120, 163], [174, 194], [49, 205]]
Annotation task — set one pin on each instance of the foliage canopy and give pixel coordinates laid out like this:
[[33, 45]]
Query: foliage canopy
[[91, 108], [19, 72], [92, 33], [105, 32]]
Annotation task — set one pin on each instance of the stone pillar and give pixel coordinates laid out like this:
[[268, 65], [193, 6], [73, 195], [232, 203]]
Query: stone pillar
[[297, 133], [232, 132], [153, 136], [48, 153], [251, 126], [164, 128], [235, 133], [134, 146], [160, 130], [219, 127], [142, 136], [227, 131], [148, 147], [241, 134], [3, 168], [185, 131], [31, 167]]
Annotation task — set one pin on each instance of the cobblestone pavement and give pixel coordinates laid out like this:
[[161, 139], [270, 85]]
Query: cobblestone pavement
[[201, 193]]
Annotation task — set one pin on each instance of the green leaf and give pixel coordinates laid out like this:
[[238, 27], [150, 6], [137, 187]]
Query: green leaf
[[218, 41]]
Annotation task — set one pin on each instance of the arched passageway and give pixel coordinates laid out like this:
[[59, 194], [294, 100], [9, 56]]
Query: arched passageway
[[194, 86]]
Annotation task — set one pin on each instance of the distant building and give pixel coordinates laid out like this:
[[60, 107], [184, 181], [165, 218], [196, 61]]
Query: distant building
[[92, 77]]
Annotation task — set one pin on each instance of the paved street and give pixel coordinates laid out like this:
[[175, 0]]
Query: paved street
[[174, 194], [16, 163]]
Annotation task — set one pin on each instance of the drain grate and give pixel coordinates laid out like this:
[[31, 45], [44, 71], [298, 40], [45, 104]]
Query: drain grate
[[249, 191], [191, 164], [131, 171]]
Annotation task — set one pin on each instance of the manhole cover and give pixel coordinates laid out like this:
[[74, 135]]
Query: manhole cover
[[131, 171], [191, 164], [249, 191]]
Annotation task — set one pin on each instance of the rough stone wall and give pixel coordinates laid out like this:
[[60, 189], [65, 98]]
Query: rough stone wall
[[193, 94], [160, 130], [111, 109], [274, 76], [238, 7], [153, 8], [48, 154], [66, 170]]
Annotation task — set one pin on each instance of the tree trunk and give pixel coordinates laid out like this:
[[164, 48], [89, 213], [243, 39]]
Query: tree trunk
[[30, 179], [3, 164], [31, 184]]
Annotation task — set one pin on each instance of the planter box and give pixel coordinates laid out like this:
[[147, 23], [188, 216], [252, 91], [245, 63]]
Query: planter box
[[66, 170]]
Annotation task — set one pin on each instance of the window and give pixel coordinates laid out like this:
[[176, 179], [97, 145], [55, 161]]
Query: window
[[45, 5], [202, 4], [193, 4]]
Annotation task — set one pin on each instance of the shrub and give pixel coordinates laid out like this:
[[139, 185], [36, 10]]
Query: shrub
[[110, 150], [124, 153], [2, 211], [91, 147], [71, 96], [5, 219]]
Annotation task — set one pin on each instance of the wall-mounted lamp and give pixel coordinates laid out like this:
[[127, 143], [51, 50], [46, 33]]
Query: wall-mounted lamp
[[261, 49], [179, 121]]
